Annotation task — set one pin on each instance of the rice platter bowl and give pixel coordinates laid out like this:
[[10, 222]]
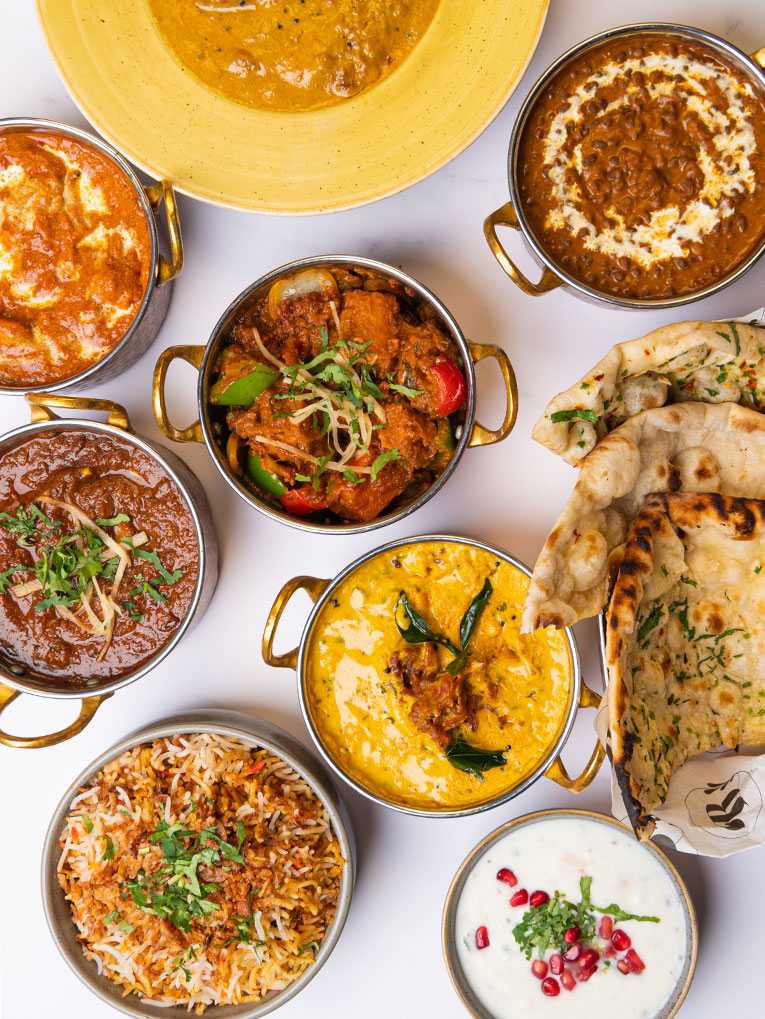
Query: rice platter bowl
[[199, 870]]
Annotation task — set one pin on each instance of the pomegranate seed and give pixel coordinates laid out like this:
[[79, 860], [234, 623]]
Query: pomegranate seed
[[550, 987], [609, 951], [507, 876], [606, 926], [572, 953], [622, 967], [539, 969], [481, 938], [572, 934], [539, 898], [584, 976], [520, 898], [556, 964], [620, 940], [589, 958], [634, 961], [567, 979]]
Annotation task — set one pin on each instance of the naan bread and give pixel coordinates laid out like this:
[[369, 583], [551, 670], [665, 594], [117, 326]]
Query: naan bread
[[689, 447], [713, 362], [685, 642]]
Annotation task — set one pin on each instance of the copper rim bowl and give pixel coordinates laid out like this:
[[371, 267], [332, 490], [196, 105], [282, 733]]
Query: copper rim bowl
[[204, 358], [511, 214], [321, 591], [253, 732], [13, 679], [162, 271], [449, 935]]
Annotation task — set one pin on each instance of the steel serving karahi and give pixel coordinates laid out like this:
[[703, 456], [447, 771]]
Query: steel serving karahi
[[208, 431], [15, 679], [513, 214], [252, 732], [321, 593], [161, 271]]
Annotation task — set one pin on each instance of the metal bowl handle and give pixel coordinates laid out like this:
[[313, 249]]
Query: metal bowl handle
[[759, 57], [194, 356], [89, 707], [41, 404], [315, 588], [507, 216], [480, 436], [167, 271], [557, 771]]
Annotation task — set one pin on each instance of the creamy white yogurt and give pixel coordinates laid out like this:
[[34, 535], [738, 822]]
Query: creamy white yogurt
[[552, 854]]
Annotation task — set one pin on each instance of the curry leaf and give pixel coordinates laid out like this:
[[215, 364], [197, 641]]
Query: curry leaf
[[418, 631], [462, 755]]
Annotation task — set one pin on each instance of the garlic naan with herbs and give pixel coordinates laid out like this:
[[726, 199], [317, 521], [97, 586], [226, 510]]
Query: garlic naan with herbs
[[710, 362], [688, 447], [685, 642]]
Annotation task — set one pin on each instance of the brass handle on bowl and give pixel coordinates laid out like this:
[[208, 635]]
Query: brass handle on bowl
[[89, 707], [194, 356], [41, 404], [167, 271], [315, 588], [557, 771], [480, 436], [507, 216], [759, 58]]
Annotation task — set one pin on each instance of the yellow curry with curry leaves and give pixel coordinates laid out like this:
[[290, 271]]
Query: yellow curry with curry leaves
[[421, 686]]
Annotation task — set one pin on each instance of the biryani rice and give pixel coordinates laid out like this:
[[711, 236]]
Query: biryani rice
[[286, 890]]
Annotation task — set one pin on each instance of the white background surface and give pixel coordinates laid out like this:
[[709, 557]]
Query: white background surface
[[388, 961]]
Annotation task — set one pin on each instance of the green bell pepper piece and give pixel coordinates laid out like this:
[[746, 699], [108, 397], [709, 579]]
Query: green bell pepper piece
[[264, 479], [244, 391], [445, 445]]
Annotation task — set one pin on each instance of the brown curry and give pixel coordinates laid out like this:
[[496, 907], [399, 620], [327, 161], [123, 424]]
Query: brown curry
[[642, 167], [98, 556], [292, 55], [75, 255]]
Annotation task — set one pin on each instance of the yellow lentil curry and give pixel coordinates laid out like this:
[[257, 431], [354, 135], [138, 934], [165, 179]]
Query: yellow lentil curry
[[366, 708], [291, 55]]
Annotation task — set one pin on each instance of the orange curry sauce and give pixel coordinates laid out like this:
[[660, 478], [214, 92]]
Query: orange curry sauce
[[75, 254]]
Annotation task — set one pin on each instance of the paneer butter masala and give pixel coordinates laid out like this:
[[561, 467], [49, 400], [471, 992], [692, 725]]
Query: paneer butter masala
[[339, 400], [98, 556], [75, 255]]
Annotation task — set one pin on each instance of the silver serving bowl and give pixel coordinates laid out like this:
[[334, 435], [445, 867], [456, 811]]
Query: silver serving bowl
[[321, 591], [448, 922], [162, 271], [204, 358], [14, 678], [253, 732], [512, 214]]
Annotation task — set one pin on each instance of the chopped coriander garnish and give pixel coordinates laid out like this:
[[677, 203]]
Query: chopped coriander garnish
[[571, 415], [542, 926]]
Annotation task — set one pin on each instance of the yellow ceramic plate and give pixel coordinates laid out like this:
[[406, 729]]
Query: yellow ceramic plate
[[127, 83]]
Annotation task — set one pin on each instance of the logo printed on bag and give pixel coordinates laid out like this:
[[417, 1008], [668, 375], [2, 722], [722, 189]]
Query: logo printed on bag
[[728, 809]]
